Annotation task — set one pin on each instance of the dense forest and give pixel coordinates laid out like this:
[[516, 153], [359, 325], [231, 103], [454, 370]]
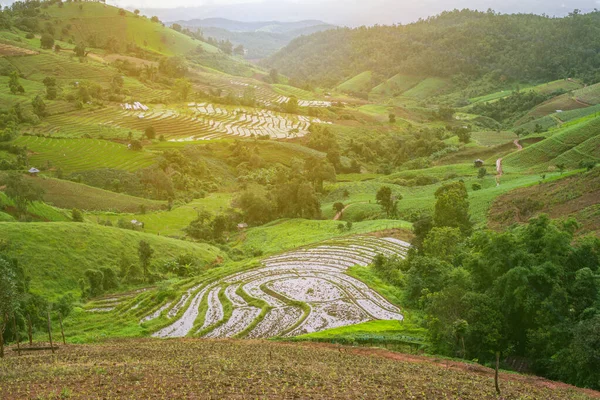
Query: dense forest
[[461, 44], [528, 296]]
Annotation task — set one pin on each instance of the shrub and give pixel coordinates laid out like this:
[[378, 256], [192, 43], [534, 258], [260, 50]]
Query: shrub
[[76, 215], [476, 186]]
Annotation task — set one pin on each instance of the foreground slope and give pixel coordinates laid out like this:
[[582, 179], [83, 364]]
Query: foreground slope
[[145, 369]]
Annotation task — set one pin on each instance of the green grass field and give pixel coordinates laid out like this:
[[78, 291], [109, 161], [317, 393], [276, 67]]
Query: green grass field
[[55, 255], [171, 223], [72, 155], [589, 95], [579, 140], [360, 83], [427, 88], [68, 195], [395, 86], [96, 19], [493, 138], [283, 235]]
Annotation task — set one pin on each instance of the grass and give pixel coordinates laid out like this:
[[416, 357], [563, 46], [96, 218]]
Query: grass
[[98, 20], [570, 145], [55, 255], [427, 88], [289, 91], [67, 195], [288, 234], [72, 155], [493, 138], [589, 95], [171, 223], [360, 83], [143, 369], [395, 86]]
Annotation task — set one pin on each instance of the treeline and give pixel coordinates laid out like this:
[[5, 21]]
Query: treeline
[[528, 297], [462, 44]]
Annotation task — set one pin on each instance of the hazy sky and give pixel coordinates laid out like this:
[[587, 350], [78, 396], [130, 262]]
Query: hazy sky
[[341, 12]]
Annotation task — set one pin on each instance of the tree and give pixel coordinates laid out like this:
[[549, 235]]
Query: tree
[[150, 133], [155, 19], [176, 27], [39, 107], [481, 173], [122, 12], [136, 12], [79, 50], [95, 279], [561, 167], [13, 83], [442, 243], [387, 201], [239, 50], [145, 253], [22, 192], [182, 88], [338, 207], [452, 207], [47, 41], [464, 136], [274, 75], [292, 105], [76, 215], [51, 91], [8, 297], [136, 145]]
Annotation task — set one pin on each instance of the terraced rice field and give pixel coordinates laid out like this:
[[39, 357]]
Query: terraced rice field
[[200, 121], [294, 293], [83, 154]]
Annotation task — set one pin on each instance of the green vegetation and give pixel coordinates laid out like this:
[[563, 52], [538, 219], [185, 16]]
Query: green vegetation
[[82, 247], [153, 183]]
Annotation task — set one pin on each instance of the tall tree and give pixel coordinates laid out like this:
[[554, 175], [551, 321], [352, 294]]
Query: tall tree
[[145, 253]]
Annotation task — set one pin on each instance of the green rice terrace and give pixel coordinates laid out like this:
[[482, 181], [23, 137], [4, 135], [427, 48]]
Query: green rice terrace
[[191, 224]]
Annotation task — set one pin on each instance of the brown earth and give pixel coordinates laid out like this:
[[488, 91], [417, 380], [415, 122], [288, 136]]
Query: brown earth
[[251, 369], [576, 196], [7, 50]]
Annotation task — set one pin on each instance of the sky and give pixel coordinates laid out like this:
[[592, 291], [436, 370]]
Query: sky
[[342, 12]]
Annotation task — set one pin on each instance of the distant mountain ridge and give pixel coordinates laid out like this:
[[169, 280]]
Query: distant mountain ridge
[[258, 26], [261, 39]]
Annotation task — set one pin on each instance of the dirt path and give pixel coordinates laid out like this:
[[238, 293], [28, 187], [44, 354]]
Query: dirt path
[[499, 170], [455, 365]]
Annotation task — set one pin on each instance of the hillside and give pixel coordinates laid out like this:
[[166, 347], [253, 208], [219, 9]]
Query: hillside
[[78, 247], [154, 183], [575, 197], [98, 24], [144, 368], [259, 39], [443, 46]]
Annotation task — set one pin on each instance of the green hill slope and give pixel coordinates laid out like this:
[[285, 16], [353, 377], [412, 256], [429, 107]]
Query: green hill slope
[[96, 23], [457, 43], [55, 255], [360, 83], [569, 145]]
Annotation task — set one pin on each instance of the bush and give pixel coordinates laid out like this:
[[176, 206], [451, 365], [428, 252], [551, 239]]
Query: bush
[[76, 215], [476, 186]]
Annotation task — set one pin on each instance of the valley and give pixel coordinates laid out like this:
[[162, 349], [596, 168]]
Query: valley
[[160, 192]]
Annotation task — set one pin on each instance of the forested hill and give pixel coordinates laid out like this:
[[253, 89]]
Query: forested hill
[[521, 47]]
